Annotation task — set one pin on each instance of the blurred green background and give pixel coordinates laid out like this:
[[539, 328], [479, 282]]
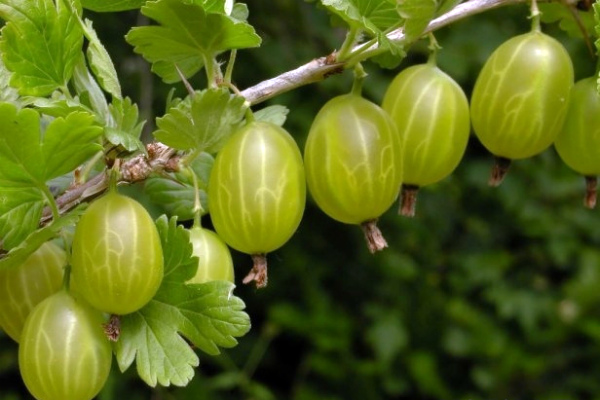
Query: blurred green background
[[488, 293]]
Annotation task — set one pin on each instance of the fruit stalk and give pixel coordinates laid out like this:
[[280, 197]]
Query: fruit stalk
[[591, 189], [258, 273], [499, 170], [373, 236], [408, 202]]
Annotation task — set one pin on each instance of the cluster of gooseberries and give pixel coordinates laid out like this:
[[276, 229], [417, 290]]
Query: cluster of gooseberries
[[65, 317], [359, 157]]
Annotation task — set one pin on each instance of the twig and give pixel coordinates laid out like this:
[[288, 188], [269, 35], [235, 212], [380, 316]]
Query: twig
[[320, 68], [160, 157]]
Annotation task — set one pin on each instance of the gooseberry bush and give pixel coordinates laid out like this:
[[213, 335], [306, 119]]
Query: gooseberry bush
[[86, 274]]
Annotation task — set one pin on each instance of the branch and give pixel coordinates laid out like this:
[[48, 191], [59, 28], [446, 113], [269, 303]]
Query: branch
[[320, 68], [161, 158]]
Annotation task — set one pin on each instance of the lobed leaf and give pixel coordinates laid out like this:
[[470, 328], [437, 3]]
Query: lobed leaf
[[54, 40], [208, 315], [100, 61], [568, 18], [187, 36], [17, 255], [20, 212], [175, 192], [112, 5], [203, 123], [26, 163], [8, 94], [417, 15], [124, 128], [276, 114], [371, 16]]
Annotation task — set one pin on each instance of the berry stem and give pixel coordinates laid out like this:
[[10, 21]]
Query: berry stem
[[408, 200], [535, 16], [258, 273], [373, 236], [499, 170], [591, 186], [359, 78], [112, 329]]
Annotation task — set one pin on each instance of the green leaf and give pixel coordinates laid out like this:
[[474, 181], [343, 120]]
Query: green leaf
[[371, 16], [20, 253], [203, 122], [417, 15], [69, 142], [112, 5], [26, 163], [443, 6], [175, 191], [40, 44], [187, 37], [208, 315], [100, 61], [124, 128], [8, 94], [20, 212], [59, 107], [393, 53], [565, 16], [275, 114], [90, 93]]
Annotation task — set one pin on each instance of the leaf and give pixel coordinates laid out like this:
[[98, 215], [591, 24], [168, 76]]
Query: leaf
[[112, 5], [26, 163], [90, 93], [54, 107], [207, 315], [393, 55], [565, 16], [417, 15], [8, 94], [187, 37], [40, 44], [371, 16], [443, 6], [124, 128], [20, 149], [100, 61], [175, 192], [203, 123], [69, 142], [275, 114], [20, 212], [20, 253]]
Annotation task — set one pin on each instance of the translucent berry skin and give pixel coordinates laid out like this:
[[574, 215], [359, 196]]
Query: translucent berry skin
[[431, 112], [521, 96], [117, 258], [23, 287], [578, 144], [257, 188], [214, 258], [63, 353], [353, 160]]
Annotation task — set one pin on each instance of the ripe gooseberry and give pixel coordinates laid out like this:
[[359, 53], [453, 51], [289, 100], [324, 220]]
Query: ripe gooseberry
[[520, 98], [214, 258], [23, 287], [431, 113], [353, 163], [578, 144], [257, 192], [117, 259], [63, 353]]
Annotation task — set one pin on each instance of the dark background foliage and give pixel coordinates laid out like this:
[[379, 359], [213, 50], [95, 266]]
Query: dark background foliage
[[489, 293]]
